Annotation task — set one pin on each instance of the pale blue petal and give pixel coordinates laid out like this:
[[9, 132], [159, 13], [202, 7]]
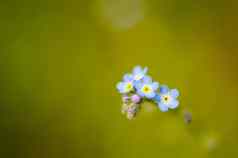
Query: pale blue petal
[[174, 93], [163, 107], [145, 70], [150, 95], [120, 87], [137, 70], [174, 104], [164, 89], [138, 85], [127, 77], [140, 93], [155, 86], [147, 79], [138, 77]]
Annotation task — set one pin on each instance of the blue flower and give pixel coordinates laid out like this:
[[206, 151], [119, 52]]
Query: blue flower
[[126, 85], [147, 88], [167, 99], [138, 73]]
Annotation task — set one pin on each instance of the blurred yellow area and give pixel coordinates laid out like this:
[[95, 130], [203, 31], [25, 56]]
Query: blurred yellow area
[[61, 61]]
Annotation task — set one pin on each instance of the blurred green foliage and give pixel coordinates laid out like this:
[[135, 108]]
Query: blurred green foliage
[[60, 62]]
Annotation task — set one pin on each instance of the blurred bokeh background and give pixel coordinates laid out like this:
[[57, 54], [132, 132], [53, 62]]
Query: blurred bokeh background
[[60, 62]]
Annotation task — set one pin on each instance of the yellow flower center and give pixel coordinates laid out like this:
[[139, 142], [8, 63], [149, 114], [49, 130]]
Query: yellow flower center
[[129, 87], [166, 98], [146, 89]]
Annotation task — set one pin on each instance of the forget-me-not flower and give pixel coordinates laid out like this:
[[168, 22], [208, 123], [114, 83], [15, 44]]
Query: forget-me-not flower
[[167, 99], [138, 73], [126, 85], [147, 88]]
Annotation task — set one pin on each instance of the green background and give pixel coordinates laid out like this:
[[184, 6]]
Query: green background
[[60, 62]]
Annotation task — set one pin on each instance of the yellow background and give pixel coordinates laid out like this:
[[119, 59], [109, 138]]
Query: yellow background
[[60, 62]]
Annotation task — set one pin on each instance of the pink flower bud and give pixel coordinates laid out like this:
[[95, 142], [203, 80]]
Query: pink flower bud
[[135, 98]]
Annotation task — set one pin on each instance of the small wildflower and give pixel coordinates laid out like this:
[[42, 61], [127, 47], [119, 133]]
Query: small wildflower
[[147, 88], [126, 85], [137, 87], [167, 98]]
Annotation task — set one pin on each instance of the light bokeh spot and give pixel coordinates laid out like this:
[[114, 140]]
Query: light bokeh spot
[[122, 14]]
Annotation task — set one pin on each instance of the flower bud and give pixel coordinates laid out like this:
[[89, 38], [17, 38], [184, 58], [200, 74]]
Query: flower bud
[[125, 99], [130, 115], [124, 108], [135, 98]]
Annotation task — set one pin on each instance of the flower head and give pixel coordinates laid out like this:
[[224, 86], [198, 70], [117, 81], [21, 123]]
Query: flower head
[[126, 85], [167, 98], [147, 88], [139, 72], [137, 87]]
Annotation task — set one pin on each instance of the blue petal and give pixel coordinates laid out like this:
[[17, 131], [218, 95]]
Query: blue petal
[[164, 89], [120, 86], [145, 70], [155, 86], [147, 79], [127, 77], [163, 107], [157, 98], [174, 93], [174, 104], [140, 93], [150, 95], [137, 70], [138, 85]]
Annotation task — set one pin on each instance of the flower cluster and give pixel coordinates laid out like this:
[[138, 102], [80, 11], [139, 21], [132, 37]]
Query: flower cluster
[[138, 86]]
